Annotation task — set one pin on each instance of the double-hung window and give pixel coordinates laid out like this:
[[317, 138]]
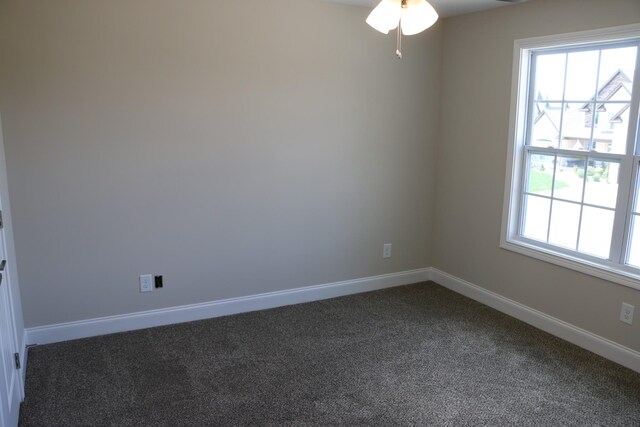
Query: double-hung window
[[573, 172]]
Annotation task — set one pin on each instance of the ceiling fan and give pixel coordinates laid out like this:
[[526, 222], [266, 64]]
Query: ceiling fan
[[408, 16]]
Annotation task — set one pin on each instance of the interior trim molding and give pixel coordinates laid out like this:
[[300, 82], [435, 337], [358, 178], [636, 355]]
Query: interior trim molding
[[147, 319], [23, 363], [601, 346]]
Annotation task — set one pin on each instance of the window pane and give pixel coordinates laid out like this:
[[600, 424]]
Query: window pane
[[546, 124], [582, 72], [602, 183], [550, 77], [595, 231], [637, 204], [536, 218], [569, 181], [617, 70], [611, 126], [634, 244], [578, 152], [540, 179], [564, 224], [637, 195], [576, 126]]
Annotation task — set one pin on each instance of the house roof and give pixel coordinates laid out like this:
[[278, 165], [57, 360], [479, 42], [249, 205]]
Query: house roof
[[617, 81], [617, 118]]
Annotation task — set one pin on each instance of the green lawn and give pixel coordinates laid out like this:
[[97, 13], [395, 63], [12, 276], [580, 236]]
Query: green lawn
[[540, 182]]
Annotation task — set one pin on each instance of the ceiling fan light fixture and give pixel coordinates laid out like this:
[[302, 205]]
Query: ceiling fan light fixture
[[408, 16], [417, 16], [386, 16]]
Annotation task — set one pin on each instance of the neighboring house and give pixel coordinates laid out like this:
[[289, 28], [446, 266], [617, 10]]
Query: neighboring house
[[611, 119], [617, 88]]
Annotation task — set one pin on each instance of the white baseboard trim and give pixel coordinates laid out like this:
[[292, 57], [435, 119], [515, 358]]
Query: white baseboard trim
[[580, 337], [166, 316], [187, 313]]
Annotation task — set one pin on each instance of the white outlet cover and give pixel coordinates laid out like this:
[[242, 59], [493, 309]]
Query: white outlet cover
[[146, 283], [386, 250], [626, 313]]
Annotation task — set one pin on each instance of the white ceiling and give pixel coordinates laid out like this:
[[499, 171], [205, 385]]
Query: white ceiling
[[443, 7]]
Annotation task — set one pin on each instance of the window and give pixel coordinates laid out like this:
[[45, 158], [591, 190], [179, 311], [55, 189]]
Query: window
[[573, 174]]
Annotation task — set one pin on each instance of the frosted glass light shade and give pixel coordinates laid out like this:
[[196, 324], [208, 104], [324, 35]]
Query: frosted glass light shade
[[417, 17], [386, 16]]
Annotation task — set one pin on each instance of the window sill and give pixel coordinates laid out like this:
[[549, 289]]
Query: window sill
[[614, 275]]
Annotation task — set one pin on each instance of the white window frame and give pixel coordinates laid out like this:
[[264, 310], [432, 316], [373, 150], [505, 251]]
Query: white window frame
[[509, 239]]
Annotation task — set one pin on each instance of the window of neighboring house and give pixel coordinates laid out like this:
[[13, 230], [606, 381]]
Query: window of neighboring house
[[574, 158]]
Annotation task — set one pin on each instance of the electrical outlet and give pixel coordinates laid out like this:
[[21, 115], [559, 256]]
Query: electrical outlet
[[626, 313], [146, 283], [158, 281], [386, 250]]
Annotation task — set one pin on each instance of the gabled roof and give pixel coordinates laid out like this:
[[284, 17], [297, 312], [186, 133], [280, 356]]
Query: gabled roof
[[617, 118], [542, 114], [617, 81]]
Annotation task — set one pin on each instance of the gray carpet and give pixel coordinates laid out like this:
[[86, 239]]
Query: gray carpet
[[414, 355]]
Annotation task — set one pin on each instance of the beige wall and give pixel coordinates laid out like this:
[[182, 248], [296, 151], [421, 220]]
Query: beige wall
[[246, 147], [476, 90], [236, 147]]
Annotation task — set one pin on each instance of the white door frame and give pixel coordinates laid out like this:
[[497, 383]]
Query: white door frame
[[11, 388]]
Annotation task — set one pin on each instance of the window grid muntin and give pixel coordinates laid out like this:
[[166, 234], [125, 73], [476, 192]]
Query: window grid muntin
[[531, 151], [518, 127], [594, 104], [632, 225], [556, 151], [594, 101], [631, 213], [601, 45]]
